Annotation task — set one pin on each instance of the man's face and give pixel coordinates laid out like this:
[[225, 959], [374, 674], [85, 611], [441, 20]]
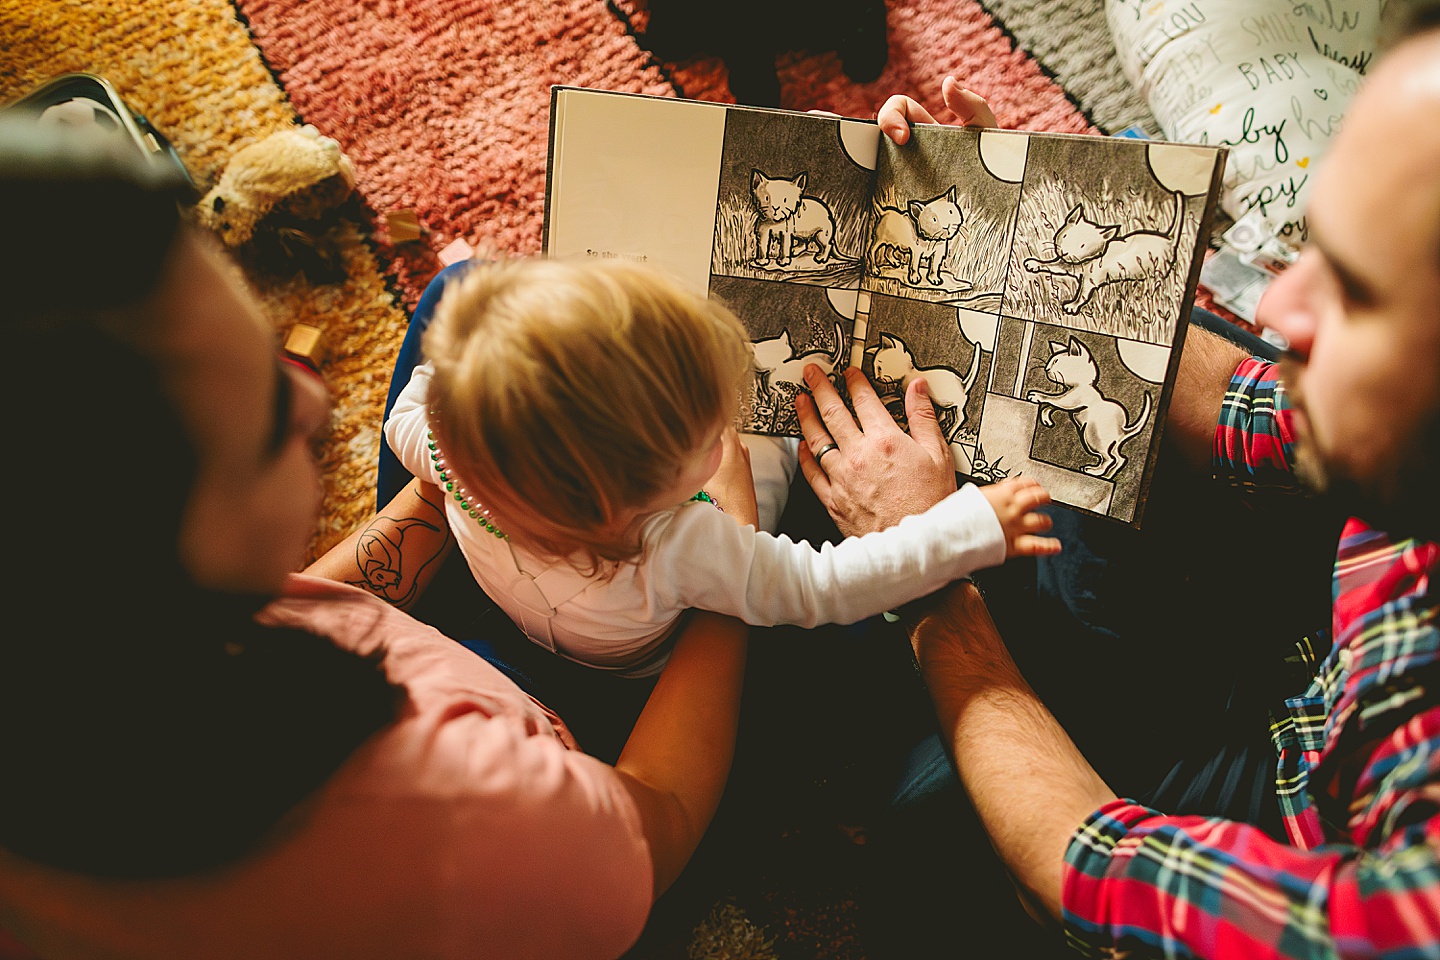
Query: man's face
[[1361, 308]]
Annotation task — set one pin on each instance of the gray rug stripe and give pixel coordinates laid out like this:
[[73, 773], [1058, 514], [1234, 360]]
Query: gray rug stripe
[[1071, 40]]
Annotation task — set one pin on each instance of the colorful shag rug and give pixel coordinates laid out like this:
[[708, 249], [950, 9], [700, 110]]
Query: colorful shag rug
[[442, 106]]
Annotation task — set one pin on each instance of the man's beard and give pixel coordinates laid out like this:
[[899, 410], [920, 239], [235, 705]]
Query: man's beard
[[1404, 504]]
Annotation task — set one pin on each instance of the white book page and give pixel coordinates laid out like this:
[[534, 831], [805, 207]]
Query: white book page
[[636, 177]]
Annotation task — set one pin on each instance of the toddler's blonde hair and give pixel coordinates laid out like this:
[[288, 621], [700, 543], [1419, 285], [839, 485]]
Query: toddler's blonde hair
[[566, 393]]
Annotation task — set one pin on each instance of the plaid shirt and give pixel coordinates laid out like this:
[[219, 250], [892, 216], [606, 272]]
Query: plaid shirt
[[1358, 774]]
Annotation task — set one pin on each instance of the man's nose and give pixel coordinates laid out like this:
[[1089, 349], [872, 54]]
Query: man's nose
[[1285, 308]]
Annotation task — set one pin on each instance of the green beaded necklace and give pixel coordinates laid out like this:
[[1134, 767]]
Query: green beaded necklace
[[455, 488], [479, 513]]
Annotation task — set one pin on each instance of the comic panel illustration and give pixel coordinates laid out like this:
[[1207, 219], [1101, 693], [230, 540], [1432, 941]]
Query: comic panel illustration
[[1075, 410], [793, 199], [790, 325], [1106, 235], [943, 219], [952, 348]]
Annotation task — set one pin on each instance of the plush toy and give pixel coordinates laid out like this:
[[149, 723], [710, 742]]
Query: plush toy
[[271, 198]]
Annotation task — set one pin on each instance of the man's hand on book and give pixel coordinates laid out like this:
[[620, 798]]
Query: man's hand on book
[[870, 475], [897, 113]]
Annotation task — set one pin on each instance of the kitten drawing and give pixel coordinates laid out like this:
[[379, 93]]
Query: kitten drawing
[[1093, 256], [920, 233], [1101, 422], [892, 362], [789, 219], [776, 362]]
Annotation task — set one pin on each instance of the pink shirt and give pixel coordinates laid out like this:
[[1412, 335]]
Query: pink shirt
[[468, 828]]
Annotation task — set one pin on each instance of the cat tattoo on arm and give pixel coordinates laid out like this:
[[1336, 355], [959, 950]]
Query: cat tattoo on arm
[[390, 567]]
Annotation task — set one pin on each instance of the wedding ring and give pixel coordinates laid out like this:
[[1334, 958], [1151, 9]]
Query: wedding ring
[[826, 449]]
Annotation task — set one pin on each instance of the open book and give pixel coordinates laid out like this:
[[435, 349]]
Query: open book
[[1037, 281]]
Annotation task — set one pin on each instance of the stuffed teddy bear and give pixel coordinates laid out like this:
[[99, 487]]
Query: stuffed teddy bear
[[270, 199]]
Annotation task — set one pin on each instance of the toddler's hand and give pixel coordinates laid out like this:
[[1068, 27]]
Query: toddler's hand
[[1015, 502], [733, 486]]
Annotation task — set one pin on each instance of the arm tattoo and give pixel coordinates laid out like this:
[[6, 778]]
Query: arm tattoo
[[389, 567]]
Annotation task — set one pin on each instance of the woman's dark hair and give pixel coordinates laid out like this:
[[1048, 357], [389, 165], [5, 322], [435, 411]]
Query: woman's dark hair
[[148, 727]]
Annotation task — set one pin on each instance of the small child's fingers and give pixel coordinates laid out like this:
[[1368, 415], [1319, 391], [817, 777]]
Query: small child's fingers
[[1030, 494], [1036, 522], [1033, 546]]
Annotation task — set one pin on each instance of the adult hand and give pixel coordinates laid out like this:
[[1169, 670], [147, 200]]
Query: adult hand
[[898, 112], [733, 485], [870, 475]]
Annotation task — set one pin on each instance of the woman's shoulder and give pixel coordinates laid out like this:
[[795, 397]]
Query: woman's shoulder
[[466, 816], [476, 762], [440, 677]]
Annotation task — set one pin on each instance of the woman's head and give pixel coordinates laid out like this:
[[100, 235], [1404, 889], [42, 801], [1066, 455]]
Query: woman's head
[[573, 397], [159, 485], [151, 366]]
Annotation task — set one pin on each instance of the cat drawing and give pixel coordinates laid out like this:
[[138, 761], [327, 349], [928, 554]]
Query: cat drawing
[[776, 362], [1093, 256], [789, 219], [892, 362], [920, 233], [1101, 422]]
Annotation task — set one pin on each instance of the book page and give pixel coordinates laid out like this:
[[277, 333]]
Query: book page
[[1041, 284], [634, 177], [767, 210]]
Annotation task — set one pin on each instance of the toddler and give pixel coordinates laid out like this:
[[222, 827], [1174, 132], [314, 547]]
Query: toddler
[[573, 411]]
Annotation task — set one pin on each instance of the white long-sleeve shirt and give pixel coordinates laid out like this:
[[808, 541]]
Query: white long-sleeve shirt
[[695, 556]]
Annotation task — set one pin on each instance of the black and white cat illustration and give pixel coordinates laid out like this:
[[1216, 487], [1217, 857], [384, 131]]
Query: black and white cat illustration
[[1101, 421], [892, 362], [789, 219], [920, 233], [776, 362], [1093, 256]]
